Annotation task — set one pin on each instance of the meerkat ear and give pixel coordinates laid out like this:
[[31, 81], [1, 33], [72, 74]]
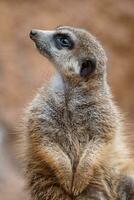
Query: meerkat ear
[[88, 66], [126, 189]]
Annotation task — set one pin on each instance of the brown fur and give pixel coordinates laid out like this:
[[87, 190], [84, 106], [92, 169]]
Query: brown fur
[[72, 144]]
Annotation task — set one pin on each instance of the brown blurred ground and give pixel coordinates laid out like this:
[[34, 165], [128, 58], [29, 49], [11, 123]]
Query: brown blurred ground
[[22, 69]]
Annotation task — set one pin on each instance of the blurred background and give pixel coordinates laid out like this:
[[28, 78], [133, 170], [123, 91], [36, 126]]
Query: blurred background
[[23, 69]]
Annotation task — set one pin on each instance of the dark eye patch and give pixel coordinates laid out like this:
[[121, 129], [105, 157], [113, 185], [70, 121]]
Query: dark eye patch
[[63, 41]]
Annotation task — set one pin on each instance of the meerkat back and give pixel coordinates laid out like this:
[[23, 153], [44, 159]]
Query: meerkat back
[[72, 126]]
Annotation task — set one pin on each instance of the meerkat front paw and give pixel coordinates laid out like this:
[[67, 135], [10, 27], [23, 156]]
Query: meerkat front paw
[[81, 180], [66, 184]]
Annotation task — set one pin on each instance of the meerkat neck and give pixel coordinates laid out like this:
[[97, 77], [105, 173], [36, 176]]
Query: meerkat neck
[[71, 89]]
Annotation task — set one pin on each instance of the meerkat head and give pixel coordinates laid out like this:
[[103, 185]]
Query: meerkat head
[[74, 51]]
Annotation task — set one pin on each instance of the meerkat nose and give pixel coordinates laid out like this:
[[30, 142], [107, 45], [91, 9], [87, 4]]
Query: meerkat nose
[[33, 33]]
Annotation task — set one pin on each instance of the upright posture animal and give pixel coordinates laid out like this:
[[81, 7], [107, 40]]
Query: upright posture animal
[[72, 142]]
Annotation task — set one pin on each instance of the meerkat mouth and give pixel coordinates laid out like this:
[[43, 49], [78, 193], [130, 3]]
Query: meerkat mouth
[[41, 46]]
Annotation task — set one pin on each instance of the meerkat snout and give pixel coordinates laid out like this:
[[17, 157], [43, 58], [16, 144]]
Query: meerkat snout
[[32, 33], [73, 51]]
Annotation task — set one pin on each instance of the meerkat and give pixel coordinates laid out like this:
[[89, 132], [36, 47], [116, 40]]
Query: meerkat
[[72, 143]]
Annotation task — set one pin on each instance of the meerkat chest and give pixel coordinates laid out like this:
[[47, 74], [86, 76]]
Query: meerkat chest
[[67, 127]]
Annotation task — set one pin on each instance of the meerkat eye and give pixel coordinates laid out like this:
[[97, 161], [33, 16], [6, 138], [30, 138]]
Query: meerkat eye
[[63, 41], [88, 67]]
